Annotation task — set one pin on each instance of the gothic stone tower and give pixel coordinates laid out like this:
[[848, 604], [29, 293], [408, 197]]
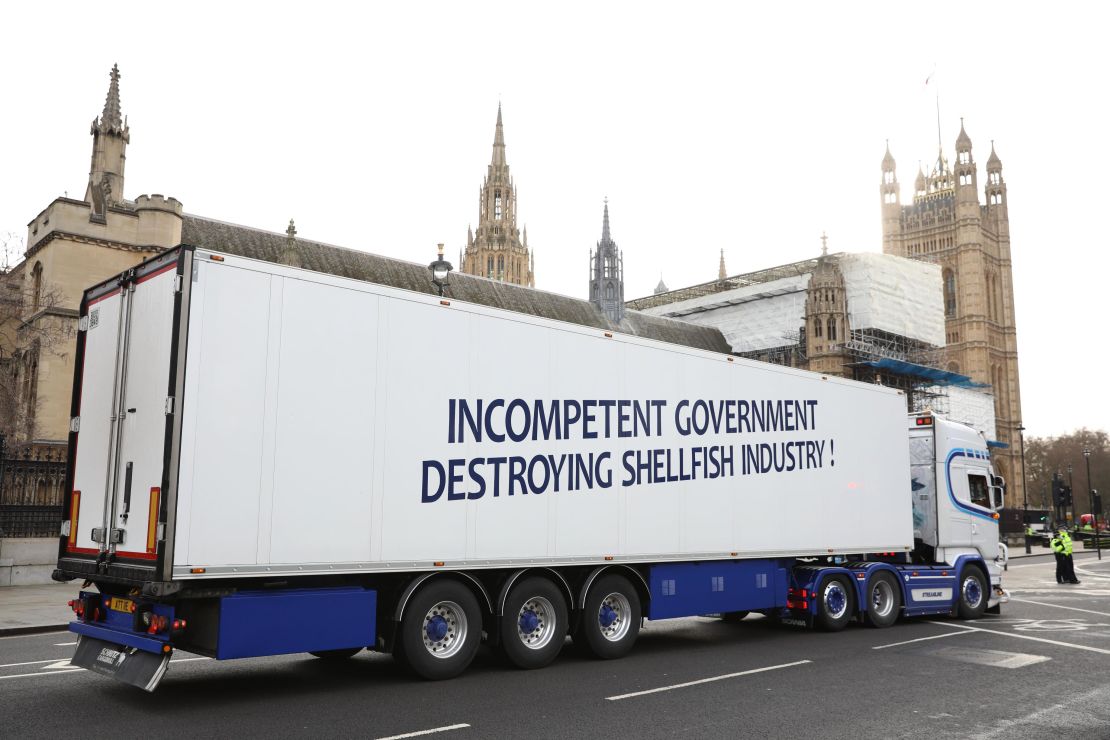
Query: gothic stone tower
[[497, 251], [947, 225], [826, 317], [607, 274], [71, 245], [110, 138]]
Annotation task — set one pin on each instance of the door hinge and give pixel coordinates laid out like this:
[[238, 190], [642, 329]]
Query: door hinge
[[177, 284], [83, 324], [75, 424], [169, 405], [65, 528]]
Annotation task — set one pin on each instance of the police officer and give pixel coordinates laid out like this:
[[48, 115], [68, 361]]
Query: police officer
[[1057, 545], [1065, 566]]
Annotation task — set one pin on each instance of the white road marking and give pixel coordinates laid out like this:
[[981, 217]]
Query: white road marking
[[920, 639], [1048, 562], [47, 673], [33, 634], [58, 664], [1046, 719], [707, 680], [991, 658], [1025, 637], [418, 733], [29, 662], [64, 644]]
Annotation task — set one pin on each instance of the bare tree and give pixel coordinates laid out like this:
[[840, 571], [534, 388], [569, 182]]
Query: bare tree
[[32, 323]]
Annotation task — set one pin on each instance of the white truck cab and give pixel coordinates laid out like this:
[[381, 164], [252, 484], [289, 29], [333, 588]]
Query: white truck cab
[[956, 497]]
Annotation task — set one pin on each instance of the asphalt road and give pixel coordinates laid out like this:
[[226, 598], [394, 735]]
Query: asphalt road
[[1041, 669]]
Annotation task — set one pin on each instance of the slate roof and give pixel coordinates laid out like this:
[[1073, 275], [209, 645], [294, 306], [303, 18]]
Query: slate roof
[[319, 257]]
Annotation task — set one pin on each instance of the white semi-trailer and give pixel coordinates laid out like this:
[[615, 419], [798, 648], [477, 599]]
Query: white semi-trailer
[[269, 460]]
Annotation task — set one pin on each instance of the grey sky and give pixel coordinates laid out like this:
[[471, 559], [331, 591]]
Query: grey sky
[[708, 125]]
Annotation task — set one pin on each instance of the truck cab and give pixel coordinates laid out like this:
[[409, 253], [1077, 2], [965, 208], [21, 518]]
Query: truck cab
[[956, 497]]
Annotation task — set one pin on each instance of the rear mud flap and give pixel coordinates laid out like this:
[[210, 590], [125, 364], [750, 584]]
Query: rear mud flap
[[123, 663]]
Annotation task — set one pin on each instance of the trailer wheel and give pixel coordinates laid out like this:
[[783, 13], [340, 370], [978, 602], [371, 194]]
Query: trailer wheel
[[884, 600], [534, 625], [340, 654], [440, 630], [610, 618], [834, 604], [733, 617], [973, 594]]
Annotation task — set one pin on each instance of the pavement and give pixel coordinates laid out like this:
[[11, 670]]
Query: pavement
[[31, 609]]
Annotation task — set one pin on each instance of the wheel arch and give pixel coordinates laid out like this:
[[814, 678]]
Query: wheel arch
[[555, 576], [863, 585], [466, 579], [637, 578]]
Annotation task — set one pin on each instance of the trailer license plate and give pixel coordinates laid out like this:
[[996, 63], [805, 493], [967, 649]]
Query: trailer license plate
[[121, 605]]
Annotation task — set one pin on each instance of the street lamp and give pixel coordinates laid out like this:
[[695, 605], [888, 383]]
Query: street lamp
[[1024, 493], [1072, 490], [441, 271], [1091, 499]]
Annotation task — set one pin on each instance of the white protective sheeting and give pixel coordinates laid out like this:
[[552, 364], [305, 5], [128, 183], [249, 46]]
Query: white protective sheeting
[[971, 406], [892, 294], [752, 318], [895, 295]]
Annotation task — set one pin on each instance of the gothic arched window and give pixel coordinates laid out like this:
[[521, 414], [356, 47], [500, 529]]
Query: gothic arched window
[[489, 266], [949, 293], [817, 327], [832, 328], [610, 291], [497, 205], [36, 287]]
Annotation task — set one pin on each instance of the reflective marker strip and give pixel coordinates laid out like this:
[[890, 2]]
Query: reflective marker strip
[[152, 520], [74, 510]]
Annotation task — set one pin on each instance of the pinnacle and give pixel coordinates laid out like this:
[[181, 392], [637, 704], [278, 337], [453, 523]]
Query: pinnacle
[[111, 118]]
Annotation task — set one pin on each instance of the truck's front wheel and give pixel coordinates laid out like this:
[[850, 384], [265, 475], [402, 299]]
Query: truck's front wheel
[[440, 630], [973, 594], [610, 618]]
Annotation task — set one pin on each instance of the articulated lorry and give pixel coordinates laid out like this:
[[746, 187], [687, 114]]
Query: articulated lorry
[[266, 460]]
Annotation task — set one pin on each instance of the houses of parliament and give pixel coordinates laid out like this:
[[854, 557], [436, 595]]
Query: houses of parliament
[[75, 243]]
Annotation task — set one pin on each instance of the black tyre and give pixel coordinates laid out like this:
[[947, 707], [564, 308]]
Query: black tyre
[[835, 604], [610, 618], [733, 617], [533, 628], [884, 600], [340, 654], [440, 630], [973, 597]]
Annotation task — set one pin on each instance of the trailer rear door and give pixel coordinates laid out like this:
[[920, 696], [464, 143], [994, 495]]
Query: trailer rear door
[[122, 400]]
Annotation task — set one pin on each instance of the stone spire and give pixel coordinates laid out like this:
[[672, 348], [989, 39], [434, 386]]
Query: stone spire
[[110, 137], [498, 141], [722, 273], [607, 274], [111, 119], [495, 249]]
